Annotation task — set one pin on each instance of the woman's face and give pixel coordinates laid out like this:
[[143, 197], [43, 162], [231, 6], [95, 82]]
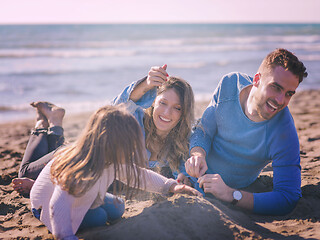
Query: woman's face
[[167, 112]]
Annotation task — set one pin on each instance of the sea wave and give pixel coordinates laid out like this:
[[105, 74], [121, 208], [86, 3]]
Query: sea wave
[[65, 44], [40, 72], [83, 53], [85, 64], [165, 45], [191, 65], [173, 41], [310, 57], [7, 54], [14, 108], [26, 73]]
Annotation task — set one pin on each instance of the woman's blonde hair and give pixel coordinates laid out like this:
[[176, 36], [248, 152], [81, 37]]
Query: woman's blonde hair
[[176, 145], [111, 137]]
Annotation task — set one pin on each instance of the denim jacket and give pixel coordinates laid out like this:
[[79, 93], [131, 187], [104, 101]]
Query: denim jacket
[[137, 109]]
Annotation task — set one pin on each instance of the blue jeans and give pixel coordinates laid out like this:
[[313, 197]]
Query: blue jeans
[[111, 210]]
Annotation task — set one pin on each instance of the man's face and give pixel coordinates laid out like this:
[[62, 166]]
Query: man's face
[[274, 89]]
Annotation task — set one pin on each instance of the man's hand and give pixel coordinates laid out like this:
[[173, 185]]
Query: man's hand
[[213, 183], [183, 179], [196, 165], [175, 188]]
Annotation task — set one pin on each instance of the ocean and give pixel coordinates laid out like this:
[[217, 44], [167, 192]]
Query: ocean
[[82, 67]]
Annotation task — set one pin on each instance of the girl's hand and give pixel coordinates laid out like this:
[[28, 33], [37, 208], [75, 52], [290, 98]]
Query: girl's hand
[[175, 188], [157, 76], [183, 179]]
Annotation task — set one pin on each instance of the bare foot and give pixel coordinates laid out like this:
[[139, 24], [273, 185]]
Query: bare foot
[[22, 185], [42, 121], [53, 113]]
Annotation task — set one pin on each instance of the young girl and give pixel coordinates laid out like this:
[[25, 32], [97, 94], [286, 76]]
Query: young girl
[[78, 176], [164, 108]]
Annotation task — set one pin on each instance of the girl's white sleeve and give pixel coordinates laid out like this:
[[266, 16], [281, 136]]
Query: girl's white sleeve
[[60, 214], [153, 182]]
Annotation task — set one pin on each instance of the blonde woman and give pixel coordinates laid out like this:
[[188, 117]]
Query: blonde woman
[[164, 108], [78, 176]]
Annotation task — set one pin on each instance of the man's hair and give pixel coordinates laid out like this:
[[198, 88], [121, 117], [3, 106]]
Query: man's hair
[[286, 59]]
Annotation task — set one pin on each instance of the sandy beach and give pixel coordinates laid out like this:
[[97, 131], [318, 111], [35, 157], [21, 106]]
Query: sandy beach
[[179, 216]]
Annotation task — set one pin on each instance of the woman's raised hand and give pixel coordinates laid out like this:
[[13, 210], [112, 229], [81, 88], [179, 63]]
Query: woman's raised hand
[[157, 76]]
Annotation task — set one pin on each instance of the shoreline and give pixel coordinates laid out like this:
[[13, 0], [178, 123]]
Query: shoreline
[[178, 217], [26, 112]]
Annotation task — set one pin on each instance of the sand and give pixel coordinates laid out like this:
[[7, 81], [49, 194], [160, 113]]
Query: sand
[[179, 216]]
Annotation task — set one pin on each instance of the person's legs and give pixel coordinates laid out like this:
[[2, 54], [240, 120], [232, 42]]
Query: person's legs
[[96, 217], [35, 158], [37, 147], [55, 138], [47, 137], [33, 161], [112, 209], [55, 116], [33, 169], [114, 206]]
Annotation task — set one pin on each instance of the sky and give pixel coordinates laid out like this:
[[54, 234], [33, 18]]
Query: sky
[[164, 11]]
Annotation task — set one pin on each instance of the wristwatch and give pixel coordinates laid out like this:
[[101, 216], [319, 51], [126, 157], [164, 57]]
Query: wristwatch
[[237, 195]]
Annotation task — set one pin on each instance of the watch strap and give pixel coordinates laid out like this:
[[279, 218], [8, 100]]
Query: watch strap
[[234, 201]]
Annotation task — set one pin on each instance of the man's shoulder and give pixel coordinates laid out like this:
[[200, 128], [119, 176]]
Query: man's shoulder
[[232, 83], [283, 125], [284, 117], [283, 140], [234, 77]]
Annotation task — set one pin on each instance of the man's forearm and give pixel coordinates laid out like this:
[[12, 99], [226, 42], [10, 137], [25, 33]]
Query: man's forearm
[[246, 201]]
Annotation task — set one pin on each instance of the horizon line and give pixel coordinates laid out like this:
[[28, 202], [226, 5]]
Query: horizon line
[[155, 23]]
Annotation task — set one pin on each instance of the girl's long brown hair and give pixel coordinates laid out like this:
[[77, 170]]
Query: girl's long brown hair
[[176, 145], [111, 137]]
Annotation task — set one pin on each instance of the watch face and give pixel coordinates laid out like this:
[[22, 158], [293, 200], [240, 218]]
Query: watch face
[[237, 195]]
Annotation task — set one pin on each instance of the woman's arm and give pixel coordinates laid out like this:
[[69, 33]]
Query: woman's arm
[[142, 92], [156, 77]]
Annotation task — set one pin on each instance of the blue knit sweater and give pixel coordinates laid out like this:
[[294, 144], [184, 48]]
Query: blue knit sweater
[[238, 148]]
